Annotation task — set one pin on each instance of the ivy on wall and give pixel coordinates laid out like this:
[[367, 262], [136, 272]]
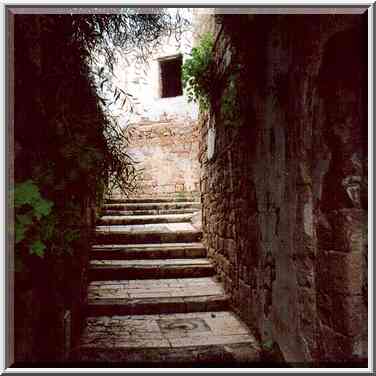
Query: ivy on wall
[[196, 75], [203, 86]]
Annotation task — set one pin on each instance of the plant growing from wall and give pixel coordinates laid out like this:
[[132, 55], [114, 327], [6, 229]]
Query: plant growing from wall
[[31, 212], [196, 75]]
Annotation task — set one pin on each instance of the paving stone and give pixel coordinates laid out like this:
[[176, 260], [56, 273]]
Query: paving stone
[[177, 327], [155, 296], [205, 340], [176, 287], [164, 335]]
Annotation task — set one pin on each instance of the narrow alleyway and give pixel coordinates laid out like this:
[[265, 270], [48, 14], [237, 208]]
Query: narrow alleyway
[[256, 126], [153, 295]]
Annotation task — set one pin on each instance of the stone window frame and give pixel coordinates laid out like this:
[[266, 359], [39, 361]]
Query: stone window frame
[[160, 80]]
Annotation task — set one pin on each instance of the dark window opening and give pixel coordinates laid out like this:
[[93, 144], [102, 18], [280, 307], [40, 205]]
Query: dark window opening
[[171, 77]]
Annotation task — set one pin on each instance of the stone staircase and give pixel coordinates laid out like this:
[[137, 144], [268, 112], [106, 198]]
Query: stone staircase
[[153, 297]]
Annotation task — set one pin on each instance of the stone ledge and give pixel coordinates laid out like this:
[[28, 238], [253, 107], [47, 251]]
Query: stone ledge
[[148, 251], [152, 205], [161, 269], [110, 212], [160, 305], [143, 219]]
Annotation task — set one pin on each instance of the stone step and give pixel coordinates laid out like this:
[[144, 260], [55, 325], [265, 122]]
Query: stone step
[[150, 269], [152, 199], [149, 233], [155, 197], [143, 219], [110, 212], [157, 305], [147, 251], [153, 206], [213, 338], [152, 296]]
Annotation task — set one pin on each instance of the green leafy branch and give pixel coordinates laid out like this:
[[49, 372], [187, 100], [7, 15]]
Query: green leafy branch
[[30, 210], [196, 72]]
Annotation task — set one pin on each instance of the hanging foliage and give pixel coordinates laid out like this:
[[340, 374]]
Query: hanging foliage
[[196, 76], [68, 146]]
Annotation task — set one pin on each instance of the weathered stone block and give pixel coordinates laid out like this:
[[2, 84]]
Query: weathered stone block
[[230, 247], [335, 347], [273, 198], [340, 273], [344, 314], [305, 268], [268, 278], [349, 229]]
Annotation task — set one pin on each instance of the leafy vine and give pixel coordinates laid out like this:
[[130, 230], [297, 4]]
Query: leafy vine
[[196, 72]]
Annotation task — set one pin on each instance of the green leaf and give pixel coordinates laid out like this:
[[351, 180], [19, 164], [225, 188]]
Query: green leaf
[[71, 235], [25, 193], [42, 208], [19, 232], [268, 345], [48, 227], [25, 219], [195, 71], [37, 248]]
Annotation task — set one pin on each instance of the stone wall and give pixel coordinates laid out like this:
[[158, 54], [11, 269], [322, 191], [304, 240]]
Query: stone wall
[[166, 155], [285, 193], [164, 140], [142, 78]]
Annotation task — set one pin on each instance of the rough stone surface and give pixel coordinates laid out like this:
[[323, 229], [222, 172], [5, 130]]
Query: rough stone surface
[[147, 251], [155, 288], [196, 220], [147, 233], [166, 152], [284, 196], [148, 212], [163, 130], [143, 219], [152, 206], [147, 333], [147, 269]]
